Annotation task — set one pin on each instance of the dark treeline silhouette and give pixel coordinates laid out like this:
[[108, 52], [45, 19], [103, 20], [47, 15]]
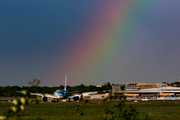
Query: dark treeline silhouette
[[174, 84], [11, 91]]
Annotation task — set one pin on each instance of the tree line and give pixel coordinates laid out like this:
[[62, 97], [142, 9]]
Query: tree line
[[11, 91]]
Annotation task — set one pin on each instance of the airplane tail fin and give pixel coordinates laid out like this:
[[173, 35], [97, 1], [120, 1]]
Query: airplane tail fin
[[65, 82]]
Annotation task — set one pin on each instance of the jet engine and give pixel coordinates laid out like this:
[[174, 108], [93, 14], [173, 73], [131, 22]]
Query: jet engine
[[44, 98], [76, 98]]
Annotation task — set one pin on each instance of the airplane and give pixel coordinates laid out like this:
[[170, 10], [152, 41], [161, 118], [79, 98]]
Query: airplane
[[61, 94], [58, 94]]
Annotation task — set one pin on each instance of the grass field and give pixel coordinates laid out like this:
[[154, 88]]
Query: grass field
[[94, 110]]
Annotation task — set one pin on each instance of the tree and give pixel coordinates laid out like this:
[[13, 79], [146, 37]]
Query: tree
[[61, 87], [81, 98], [107, 86]]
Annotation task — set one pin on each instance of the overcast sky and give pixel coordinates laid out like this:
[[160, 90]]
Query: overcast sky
[[92, 42]]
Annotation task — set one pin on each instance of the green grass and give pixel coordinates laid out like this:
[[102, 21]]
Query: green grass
[[94, 110]]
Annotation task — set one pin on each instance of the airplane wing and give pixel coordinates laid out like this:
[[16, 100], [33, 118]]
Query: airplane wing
[[74, 97], [89, 93], [41, 95], [44, 95], [77, 97], [78, 91], [38, 94]]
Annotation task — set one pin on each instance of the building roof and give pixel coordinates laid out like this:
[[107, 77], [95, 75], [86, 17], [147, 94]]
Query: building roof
[[152, 90]]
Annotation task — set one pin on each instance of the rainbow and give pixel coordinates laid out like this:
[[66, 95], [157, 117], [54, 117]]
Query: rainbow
[[96, 46]]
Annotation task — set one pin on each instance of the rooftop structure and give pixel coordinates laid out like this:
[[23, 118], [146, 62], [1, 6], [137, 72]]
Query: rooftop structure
[[144, 85]]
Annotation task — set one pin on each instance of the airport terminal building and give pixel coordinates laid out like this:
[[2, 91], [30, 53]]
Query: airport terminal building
[[148, 91]]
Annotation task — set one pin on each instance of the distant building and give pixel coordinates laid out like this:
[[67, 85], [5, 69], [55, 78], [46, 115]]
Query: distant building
[[133, 86], [144, 85], [153, 93], [93, 95], [99, 85], [116, 88], [142, 91], [96, 96]]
